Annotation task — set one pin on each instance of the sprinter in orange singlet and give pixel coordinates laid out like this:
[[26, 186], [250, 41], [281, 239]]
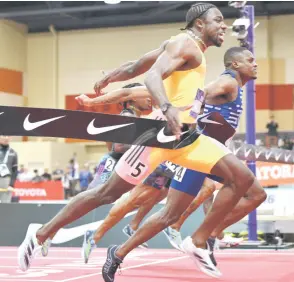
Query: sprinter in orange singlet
[[175, 78]]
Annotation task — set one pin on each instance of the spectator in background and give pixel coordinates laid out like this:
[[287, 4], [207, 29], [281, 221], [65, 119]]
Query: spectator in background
[[37, 178], [85, 177], [74, 176], [258, 142], [288, 143], [25, 176], [8, 169], [281, 143], [57, 173], [272, 134], [65, 181], [46, 175], [21, 169]]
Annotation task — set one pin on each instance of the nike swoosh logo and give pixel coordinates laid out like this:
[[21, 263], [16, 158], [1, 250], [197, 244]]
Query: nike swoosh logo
[[247, 152], [1, 113], [206, 120], [67, 234], [268, 154], [162, 138], [28, 126], [92, 130], [287, 157], [258, 153], [277, 156], [236, 150]]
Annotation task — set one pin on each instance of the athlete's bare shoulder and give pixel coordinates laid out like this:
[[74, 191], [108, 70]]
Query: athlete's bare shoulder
[[187, 48], [232, 87], [222, 89]]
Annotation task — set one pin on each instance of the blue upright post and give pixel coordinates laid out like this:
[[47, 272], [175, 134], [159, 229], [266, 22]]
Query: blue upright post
[[250, 120]]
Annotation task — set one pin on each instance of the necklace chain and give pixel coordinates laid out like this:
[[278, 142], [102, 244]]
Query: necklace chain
[[192, 34]]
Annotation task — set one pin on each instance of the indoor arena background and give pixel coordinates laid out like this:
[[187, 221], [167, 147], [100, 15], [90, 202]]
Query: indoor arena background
[[48, 58]]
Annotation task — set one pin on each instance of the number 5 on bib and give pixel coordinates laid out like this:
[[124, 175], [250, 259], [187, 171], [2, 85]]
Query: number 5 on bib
[[138, 169]]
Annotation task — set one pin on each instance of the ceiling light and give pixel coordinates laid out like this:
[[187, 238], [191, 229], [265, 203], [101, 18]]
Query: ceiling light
[[112, 1]]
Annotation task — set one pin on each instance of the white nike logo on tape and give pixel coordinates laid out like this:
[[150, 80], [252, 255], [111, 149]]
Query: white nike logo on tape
[[206, 120], [28, 126], [235, 151], [247, 152], [277, 156], [92, 130], [2, 113], [268, 154], [257, 154], [162, 138], [287, 157]]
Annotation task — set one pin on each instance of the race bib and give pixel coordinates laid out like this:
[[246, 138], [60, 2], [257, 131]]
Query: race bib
[[196, 108], [109, 164], [138, 169], [180, 172], [171, 166]]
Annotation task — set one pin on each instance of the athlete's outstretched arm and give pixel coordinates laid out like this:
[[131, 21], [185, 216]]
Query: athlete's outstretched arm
[[119, 147], [116, 96], [223, 85], [176, 54], [131, 69]]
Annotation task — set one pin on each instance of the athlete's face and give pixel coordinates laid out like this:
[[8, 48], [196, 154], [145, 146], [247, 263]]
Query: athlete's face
[[247, 65], [143, 104], [214, 28]]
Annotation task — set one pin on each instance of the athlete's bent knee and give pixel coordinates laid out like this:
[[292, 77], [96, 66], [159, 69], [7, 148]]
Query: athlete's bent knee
[[244, 179], [235, 173], [257, 193], [261, 196]]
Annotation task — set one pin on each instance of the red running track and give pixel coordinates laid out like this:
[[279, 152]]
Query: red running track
[[65, 264]]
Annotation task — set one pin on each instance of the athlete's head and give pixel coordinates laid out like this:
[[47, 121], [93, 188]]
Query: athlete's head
[[207, 19], [139, 104], [241, 60], [4, 140]]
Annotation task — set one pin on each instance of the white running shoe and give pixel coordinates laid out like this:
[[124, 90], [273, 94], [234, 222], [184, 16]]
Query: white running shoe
[[29, 248], [174, 237], [201, 257], [229, 241]]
